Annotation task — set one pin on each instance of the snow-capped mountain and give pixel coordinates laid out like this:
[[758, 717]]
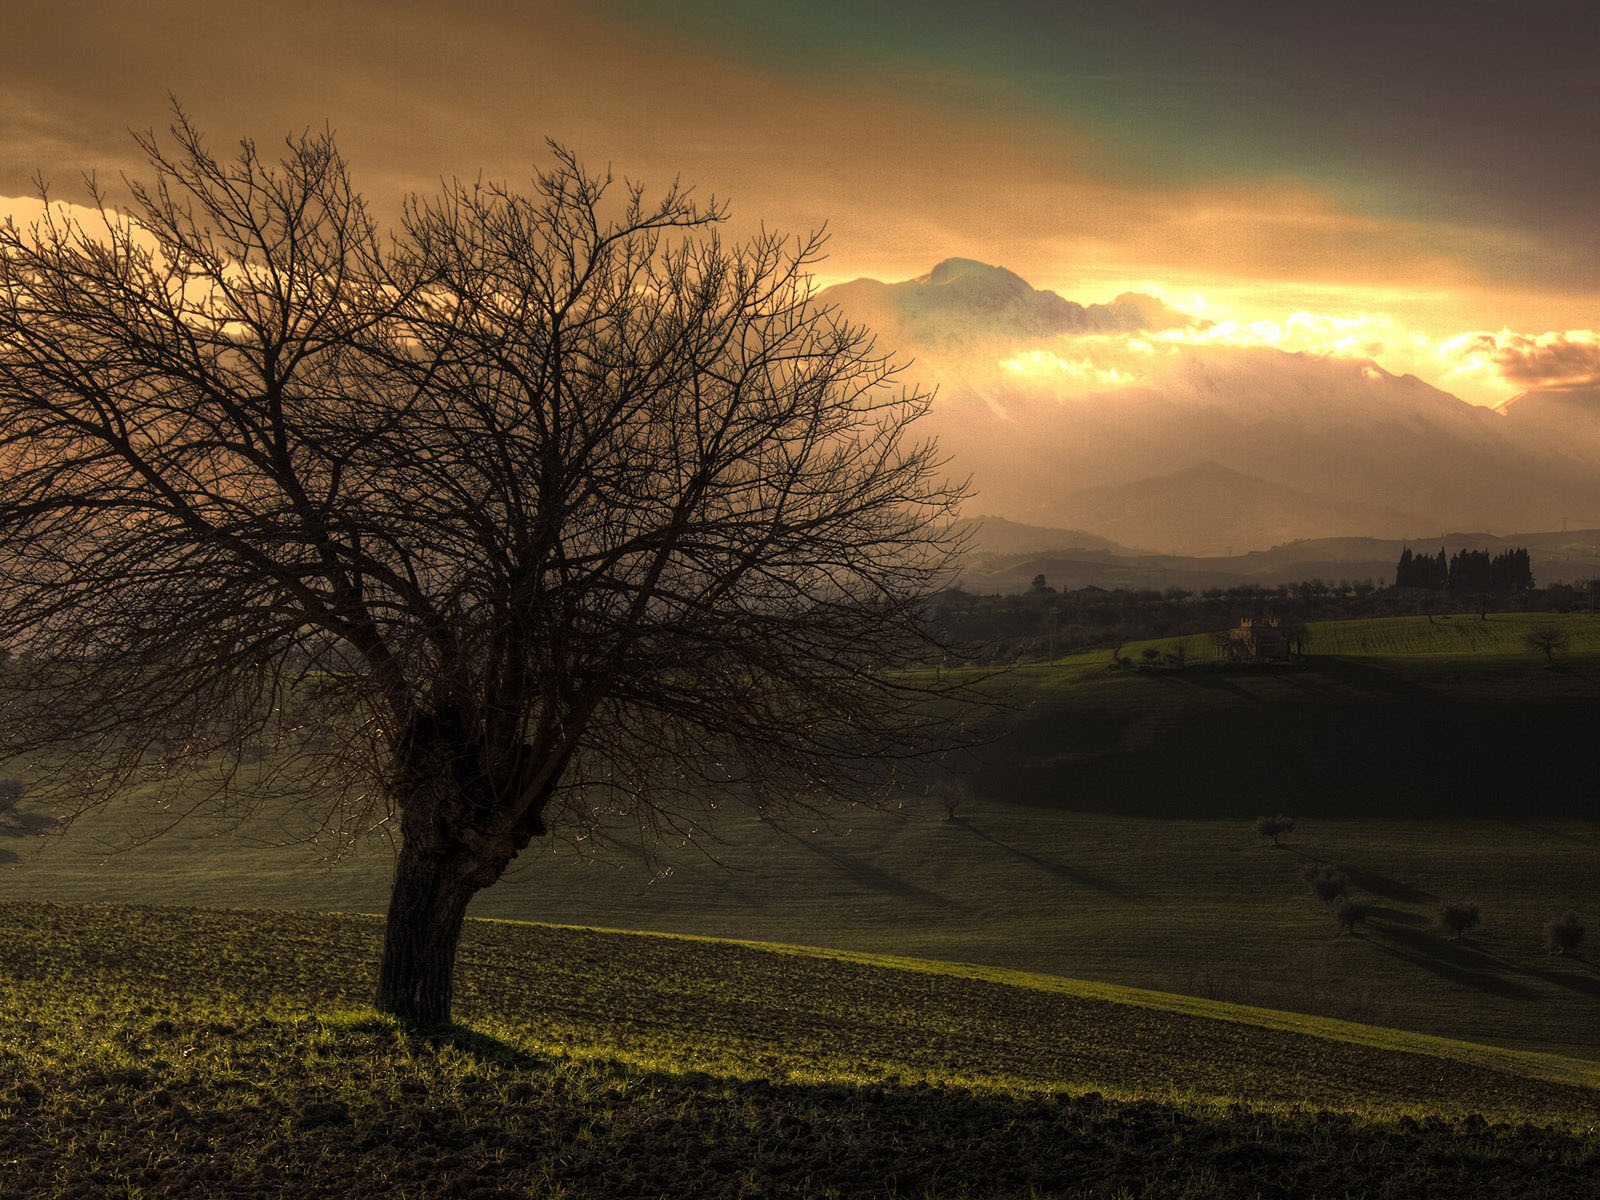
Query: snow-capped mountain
[[964, 303]]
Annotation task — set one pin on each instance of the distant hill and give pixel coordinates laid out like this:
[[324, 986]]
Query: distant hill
[[1009, 562], [996, 535], [1209, 508]]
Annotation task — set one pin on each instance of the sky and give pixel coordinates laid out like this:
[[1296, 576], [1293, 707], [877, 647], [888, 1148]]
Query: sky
[[1409, 181]]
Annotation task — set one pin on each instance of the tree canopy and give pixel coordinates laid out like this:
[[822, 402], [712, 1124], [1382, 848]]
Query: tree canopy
[[542, 505]]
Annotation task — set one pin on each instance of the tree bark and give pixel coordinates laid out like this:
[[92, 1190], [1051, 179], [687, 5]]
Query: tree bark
[[426, 909], [458, 835]]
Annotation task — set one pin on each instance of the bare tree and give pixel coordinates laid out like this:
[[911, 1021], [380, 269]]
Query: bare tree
[[544, 506], [1549, 640]]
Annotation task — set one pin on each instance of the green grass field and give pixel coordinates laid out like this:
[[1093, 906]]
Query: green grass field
[[158, 1052], [1107, 836]]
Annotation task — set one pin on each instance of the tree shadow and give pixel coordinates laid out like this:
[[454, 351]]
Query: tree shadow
[[1457, 962], [1396, 916], [865, 874], [1297, 852], [1374, 681], [1584, 983], [1577, 981], [484, 1047], [25, 824], [1211, 680], [1059, 870], [1389, 889]]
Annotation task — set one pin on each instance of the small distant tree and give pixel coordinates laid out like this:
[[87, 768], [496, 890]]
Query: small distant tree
[[951, 793], [1564, 934], [1275, 827], [1327, 883], [1459, 916], [1547, 640], [1349, 913], [1150, 654], [11, 793]]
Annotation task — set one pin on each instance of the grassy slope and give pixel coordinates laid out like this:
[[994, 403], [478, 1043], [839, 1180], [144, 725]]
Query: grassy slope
[[1109, 838], [623, 1065]]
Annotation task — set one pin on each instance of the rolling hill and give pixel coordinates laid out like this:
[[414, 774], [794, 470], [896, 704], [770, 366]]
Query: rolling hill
[[194, 1054], [1106, 833]]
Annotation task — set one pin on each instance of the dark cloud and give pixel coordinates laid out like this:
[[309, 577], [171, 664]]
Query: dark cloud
[[1544, 361], [1441, 148]]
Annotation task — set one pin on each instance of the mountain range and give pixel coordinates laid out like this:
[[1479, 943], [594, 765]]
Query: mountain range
[[1209, 449], [1004, 556]]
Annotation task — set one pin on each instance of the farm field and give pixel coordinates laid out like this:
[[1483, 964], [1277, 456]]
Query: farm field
[[1109, 836], [191, 1053]]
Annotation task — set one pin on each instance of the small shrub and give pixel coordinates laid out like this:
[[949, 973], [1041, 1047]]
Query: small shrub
[[11, 793], [1564, 934], [1274, 827], [1459, 916], [1327, 883], [1349, 913]]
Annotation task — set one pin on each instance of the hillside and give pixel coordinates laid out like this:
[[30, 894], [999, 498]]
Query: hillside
[[1109, 836], [188, 1054], [1209, 508]]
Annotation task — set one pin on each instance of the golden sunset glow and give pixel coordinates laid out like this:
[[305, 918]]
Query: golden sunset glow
[[1300, 187], [1485, 368]]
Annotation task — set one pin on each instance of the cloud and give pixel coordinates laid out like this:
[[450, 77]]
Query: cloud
[[1481, 367], [1536, 361], [1362, 335], [1080, 371]]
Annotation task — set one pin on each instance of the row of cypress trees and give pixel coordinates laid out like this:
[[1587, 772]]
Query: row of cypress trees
[[1467, 572]]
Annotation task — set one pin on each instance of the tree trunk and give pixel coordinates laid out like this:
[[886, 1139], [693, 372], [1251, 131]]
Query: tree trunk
[[457, 838], [426, 909]]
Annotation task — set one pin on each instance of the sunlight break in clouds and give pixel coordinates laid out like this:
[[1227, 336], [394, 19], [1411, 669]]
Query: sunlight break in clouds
[[1082, 371], [1480, 367]]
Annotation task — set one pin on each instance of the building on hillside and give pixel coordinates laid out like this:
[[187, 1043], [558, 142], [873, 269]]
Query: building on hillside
[[1258, 638]]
